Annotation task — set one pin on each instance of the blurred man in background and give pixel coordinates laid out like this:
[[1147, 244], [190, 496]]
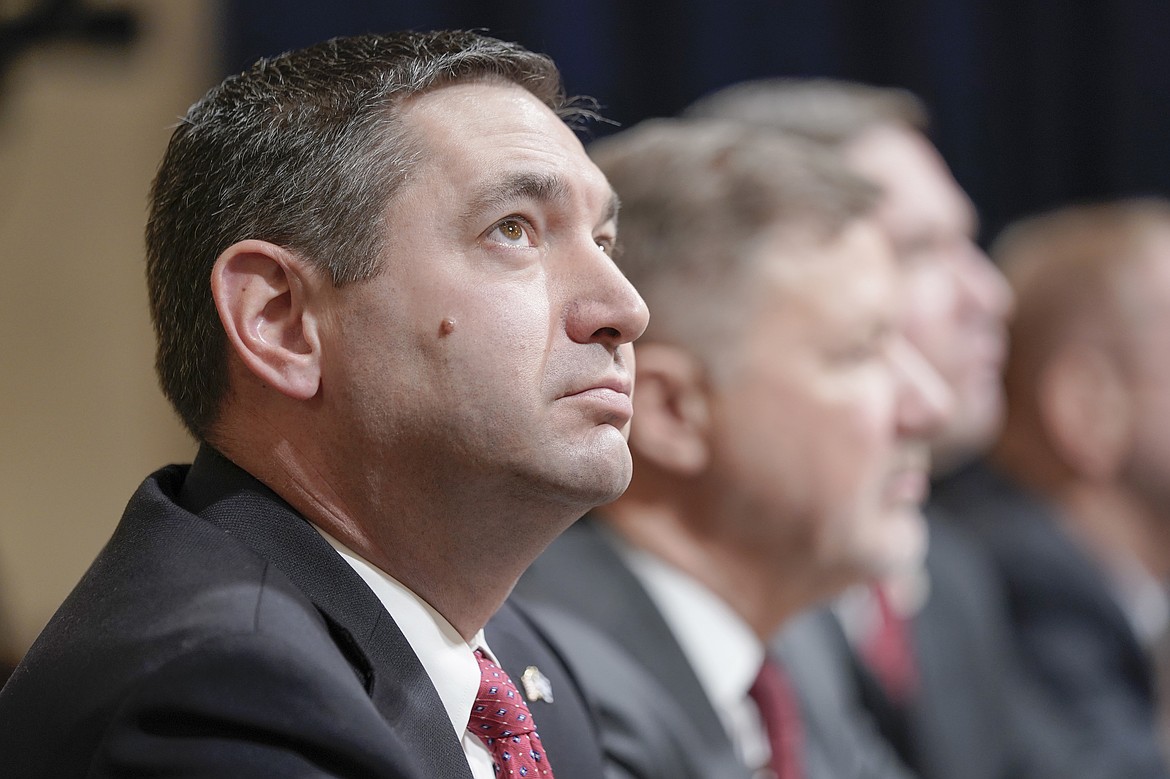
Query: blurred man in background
[[780, 444], [1075, 500], [925, 651], [954, 301]]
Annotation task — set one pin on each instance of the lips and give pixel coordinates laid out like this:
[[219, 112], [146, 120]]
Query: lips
[[611, 396], [909, 479], [909, 486]]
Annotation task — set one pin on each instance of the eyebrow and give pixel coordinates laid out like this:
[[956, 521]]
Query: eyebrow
[[541, 187]]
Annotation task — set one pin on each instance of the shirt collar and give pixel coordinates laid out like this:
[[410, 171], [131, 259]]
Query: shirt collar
[[723, 651], [1141, 597], [448, 660]]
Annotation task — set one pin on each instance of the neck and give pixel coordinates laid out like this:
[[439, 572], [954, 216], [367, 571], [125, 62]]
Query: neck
[[461, 556], [1021, 452], [764, 592], [1114, 525], [1108, 519]]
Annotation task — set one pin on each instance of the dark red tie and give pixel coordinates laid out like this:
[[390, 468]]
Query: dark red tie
[[501, 718], [780, 712], [887, 651]]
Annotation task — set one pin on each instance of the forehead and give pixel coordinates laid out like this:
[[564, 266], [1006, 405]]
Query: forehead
[[919, 194], [1145, 286], [847, 282], [474, 133]]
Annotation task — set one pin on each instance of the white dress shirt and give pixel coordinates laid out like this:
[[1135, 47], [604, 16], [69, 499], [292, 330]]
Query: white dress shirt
[[1141, 597], [724, 652], [448, 660]]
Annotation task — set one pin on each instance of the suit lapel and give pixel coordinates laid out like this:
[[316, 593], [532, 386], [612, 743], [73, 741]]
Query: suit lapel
[[616, 602], [230, 498], [566, 727]]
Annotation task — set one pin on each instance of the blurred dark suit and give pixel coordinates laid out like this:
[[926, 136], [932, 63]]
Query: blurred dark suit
[[842, 738], [583, 575], [976, 714], [1071, 632], [972, 717]]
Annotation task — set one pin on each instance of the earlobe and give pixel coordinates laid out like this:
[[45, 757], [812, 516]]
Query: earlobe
[[261, 292], [671, 410]]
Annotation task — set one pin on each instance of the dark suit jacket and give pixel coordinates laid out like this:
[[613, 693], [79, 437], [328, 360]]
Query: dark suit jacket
[[583, 575], [842, 739], [1072, 634], [973, 716], [218, 634], [644, 733]]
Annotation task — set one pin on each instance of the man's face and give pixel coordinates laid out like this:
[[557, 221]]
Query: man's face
[[820, 420], [493, 348], [1147, 308], [955, 301]]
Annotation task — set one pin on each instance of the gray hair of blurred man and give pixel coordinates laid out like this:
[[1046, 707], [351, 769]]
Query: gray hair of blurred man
[[823, 110], [698, 200]]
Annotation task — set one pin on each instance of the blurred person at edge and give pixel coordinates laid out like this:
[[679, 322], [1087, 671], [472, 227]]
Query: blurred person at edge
[[927, 653], [1074, 499], [780, 445]]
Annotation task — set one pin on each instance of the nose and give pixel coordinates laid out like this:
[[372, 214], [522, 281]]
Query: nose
[[984, 289], [605, 308], [924, 402]]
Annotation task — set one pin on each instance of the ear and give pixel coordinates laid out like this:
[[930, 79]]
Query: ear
[[261, 292], [671, 410], [1085, 407]]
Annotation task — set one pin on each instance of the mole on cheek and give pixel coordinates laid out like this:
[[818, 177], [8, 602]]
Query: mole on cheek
[[447, 326]]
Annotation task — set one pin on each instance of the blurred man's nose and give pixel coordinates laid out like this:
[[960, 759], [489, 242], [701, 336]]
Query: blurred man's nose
[[925, 402], [985, 290]]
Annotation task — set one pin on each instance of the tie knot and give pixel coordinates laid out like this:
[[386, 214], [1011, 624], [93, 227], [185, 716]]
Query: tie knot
[[499, 710]]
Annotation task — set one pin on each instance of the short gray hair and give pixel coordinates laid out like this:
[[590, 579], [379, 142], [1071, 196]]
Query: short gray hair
[[824, 110], [698, 196]]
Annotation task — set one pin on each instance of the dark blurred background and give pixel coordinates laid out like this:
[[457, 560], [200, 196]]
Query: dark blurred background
[[1034, 102]]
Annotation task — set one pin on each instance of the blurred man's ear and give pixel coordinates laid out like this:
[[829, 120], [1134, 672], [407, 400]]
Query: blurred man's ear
[[671, 410], [1084, 405], [261, 292]]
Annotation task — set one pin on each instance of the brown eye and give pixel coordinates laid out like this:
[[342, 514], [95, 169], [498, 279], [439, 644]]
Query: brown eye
[[512, 232]]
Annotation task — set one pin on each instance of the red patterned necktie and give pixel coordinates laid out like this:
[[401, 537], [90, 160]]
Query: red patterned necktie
[[780, 712], [500, 717]]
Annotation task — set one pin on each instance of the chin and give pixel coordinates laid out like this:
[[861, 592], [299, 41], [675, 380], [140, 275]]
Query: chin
[[975, 423], [902, 546], [610, 484], [597, 478]]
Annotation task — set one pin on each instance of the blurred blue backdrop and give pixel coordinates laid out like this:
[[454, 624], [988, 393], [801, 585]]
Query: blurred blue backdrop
[[1035, 102]]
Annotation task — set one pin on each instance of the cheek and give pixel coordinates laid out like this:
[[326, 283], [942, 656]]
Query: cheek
[[857, 455], [864, 529], [860, 436], [929, 311], [1152, 431], [822, 453], [489, 337]]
